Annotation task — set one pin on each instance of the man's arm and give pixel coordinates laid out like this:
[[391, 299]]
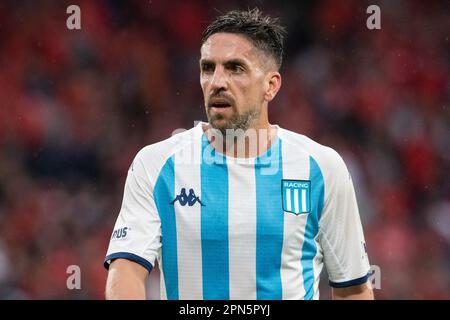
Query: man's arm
[[126, 281], [358, 292]]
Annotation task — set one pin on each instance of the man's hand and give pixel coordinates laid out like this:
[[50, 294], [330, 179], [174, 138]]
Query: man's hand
[[126, 281], [360, 292]]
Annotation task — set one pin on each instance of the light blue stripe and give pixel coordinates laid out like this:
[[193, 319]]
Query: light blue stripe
[[309, 249], [214, 227], [269, 229], [308, 198], [164, 193]]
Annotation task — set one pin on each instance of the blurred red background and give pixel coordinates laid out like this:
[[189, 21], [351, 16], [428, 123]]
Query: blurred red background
[[77, 105]]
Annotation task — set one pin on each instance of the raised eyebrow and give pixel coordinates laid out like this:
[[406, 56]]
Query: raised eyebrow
[[203, 62], [235, 61], [228, 62]]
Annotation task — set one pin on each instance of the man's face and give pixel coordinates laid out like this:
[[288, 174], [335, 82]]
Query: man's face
[[232, 76]]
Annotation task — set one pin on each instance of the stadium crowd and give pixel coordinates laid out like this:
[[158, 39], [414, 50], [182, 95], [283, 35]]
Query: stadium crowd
[[77, 105]]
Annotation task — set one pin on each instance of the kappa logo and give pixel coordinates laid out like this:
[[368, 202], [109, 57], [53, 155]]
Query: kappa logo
[[184, 199]]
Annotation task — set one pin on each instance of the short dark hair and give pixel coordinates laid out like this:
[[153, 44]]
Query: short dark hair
[[264, 32]]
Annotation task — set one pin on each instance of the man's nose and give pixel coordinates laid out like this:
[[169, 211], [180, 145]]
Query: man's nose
[[219, 80]]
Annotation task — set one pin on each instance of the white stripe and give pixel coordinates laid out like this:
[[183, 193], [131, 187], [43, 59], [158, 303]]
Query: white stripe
[[187, 175], [296, 168], [317, 267], [288, 199], [296, 201], [303, 200], [242, 231]]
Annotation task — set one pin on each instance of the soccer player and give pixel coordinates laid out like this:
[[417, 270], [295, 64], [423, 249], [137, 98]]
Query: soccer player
[[227, 220]]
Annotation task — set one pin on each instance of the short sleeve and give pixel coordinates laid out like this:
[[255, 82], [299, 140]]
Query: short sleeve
[[137, 231], [341, 233]]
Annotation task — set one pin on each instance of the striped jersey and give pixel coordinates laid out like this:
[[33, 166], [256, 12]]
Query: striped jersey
[[223, 228]]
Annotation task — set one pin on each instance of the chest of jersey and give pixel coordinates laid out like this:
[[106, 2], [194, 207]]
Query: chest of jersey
[[237, 206], [246, 228]]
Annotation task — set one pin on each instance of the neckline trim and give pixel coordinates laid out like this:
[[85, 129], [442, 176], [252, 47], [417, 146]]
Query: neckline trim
[[266, 159]]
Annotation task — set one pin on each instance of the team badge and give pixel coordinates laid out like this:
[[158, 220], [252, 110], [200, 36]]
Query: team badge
[[296, 196]]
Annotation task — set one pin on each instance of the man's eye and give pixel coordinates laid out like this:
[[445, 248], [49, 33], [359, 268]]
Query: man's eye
[[236, 68], [207, 68]]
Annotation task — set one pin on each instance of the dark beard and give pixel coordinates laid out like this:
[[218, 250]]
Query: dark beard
[[237, 121]]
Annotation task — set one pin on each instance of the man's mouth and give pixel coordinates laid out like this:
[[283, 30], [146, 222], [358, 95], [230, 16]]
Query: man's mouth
[[220, 105]]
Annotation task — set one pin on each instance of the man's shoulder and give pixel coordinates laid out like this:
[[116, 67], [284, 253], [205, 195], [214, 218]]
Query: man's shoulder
[[327, 158], [156, 154]]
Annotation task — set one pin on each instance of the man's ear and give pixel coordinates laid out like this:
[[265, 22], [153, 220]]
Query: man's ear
[[273, 81]]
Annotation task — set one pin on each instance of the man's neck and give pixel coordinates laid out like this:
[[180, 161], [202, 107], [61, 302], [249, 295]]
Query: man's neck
[[251, 143]]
